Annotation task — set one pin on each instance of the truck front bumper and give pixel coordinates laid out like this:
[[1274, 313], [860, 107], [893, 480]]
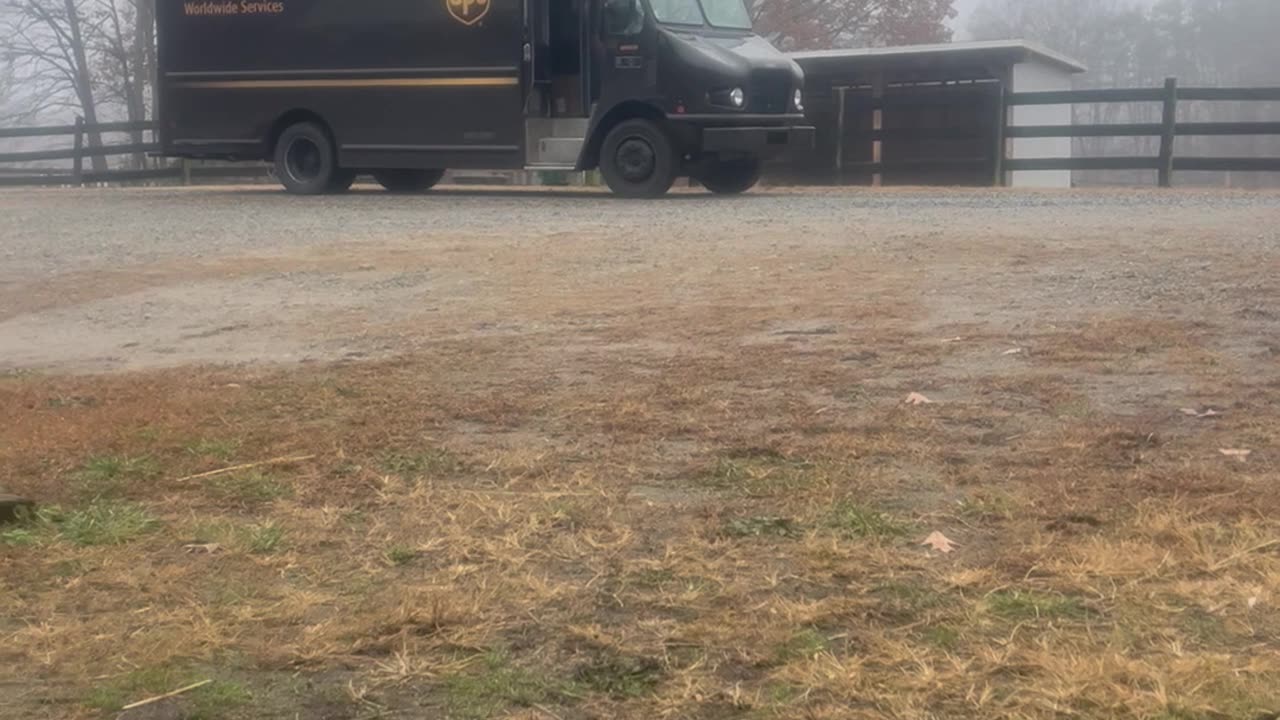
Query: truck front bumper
[[760, 141]]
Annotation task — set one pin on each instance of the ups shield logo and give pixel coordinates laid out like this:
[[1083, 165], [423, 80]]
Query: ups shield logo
[[468, 12]]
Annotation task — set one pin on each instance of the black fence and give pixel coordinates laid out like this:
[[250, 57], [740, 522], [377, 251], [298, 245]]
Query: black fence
[[963, 133], [79, 150], [865, 144], [1166, 162]]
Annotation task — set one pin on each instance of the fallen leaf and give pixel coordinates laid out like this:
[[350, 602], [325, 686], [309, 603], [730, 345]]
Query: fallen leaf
[[1200, 414], [202, 549], [918, 399], [940, 542], [1241, 455]]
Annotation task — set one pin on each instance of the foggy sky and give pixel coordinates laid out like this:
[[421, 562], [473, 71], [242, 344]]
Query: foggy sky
[[964, 7]]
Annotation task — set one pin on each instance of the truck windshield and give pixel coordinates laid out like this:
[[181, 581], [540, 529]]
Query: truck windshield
[[720, 13], [727, 14]]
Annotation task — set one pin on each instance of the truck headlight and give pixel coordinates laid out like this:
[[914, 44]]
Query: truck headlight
[[799, 100], [737, 97]]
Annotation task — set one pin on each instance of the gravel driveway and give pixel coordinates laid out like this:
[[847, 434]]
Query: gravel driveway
[[108, 280]]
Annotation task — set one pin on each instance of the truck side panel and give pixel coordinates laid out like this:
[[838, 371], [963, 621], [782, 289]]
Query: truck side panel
[[400, 83]]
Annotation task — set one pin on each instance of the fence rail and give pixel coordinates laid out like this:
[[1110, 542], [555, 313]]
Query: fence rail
[[1166, 163], [79, 150]]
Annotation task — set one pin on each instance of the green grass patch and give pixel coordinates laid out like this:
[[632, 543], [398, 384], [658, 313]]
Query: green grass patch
[[217, 700], [1033, 605], [101, 522], [758, 472], [113, 475], [497, 685], [399, 555], [263, 539], [907, 600], [762, 527], [257, 539], [106, 523], [852, 520], [804, 645], [19, 537], [944, 637]]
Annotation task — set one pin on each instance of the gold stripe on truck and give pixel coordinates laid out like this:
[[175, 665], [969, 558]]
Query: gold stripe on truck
[[353, 83]]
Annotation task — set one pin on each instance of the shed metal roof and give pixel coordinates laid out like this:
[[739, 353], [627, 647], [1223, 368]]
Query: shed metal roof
[[1012, 51]]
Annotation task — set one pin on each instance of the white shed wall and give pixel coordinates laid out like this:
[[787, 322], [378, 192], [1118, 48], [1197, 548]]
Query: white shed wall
[[1036, 76]]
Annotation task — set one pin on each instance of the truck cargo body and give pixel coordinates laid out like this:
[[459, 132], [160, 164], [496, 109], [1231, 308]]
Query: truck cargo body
[[424, 85]]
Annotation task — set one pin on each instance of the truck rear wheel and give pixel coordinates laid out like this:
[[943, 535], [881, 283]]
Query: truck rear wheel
[[731, 177], [403, 180], [305, 161], [638, 160]]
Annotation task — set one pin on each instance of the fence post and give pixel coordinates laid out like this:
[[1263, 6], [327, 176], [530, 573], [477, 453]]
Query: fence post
[[840, 136], [877, 124], [999, 151], [77, 162], [1169, 131]]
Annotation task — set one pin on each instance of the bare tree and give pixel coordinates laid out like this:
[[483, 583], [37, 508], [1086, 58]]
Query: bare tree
[[818, 24], [9, 113], [43, 43], [124, 44]]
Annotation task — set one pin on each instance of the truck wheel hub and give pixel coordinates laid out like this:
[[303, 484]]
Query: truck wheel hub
[[636, 159], [303, 160]]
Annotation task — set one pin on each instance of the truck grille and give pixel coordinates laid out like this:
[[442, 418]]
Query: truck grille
[[770, 93]]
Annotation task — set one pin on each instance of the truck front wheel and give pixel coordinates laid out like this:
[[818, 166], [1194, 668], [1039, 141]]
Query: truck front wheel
[[731, 177], [305, 161], [638, 160], [402, 180]]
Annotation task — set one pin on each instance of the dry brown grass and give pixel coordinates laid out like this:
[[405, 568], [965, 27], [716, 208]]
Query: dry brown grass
[[732, 534]]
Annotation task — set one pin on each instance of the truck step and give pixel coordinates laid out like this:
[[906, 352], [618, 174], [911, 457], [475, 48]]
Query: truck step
[[554, 141], [558, 151]]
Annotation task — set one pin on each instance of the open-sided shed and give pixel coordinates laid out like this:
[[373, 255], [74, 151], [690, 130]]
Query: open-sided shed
[[930, 114]]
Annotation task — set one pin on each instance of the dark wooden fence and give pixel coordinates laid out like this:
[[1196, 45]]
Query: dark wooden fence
[[963, 133], [992, 135], [78, 151], [1166, 162]]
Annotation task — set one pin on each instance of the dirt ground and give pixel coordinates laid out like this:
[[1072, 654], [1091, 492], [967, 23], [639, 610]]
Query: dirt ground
[[552, 455]]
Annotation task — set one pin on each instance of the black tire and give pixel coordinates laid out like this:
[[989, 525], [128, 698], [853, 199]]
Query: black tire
[[342, 181], [638, 160], [408, 180], [305, 159], [731, 177]]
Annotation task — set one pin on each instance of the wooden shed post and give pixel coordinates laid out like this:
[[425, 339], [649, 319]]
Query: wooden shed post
[[999, 149]]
